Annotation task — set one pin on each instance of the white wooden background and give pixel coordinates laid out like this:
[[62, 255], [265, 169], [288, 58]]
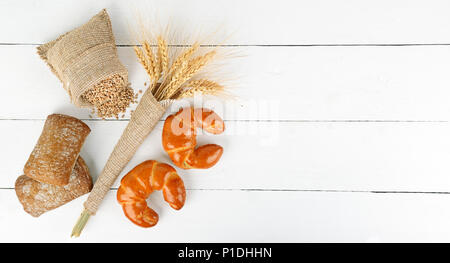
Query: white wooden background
[[357, 148]]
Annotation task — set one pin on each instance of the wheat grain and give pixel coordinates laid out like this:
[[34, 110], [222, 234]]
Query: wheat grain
[[110, 97]]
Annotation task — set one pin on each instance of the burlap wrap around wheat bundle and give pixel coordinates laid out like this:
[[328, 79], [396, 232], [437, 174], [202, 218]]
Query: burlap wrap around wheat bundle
[[147, 114], [84, 57]]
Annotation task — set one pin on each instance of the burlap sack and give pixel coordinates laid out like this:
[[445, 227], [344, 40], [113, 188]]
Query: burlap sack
[[84, 56]]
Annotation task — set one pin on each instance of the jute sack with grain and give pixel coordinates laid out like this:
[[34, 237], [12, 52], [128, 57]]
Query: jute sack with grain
[[84, 57]]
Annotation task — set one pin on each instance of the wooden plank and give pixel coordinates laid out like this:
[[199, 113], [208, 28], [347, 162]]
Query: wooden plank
[[245, 216], [273, 155], [249, 22], [274, 83]]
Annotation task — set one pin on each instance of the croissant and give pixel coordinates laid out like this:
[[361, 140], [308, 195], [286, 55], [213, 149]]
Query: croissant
[[140, 182], [179, 138]]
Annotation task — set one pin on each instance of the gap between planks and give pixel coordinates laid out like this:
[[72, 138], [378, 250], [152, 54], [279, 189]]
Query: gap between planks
[[274, 45], [300, 121], [299, 190]]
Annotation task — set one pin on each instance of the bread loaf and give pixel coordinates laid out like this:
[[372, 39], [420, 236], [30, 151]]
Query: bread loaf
[[57, 150], [38, 198]]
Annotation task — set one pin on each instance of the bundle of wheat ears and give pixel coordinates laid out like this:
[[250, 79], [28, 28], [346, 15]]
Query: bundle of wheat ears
[[174, 78], [175, 72]]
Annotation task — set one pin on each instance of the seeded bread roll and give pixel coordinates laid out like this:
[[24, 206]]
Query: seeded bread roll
[[57, 150], [38, 198]]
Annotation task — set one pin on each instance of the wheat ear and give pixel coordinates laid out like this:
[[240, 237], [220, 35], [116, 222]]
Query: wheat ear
[[176, 65], [163, 55], [198, 63], [151, 61], [193, 66], [185, 56], [143, 60], [174, 83], [203, 86]]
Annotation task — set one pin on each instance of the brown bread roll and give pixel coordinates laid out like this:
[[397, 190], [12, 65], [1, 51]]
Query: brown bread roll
[[38, 198], [57, 150]]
